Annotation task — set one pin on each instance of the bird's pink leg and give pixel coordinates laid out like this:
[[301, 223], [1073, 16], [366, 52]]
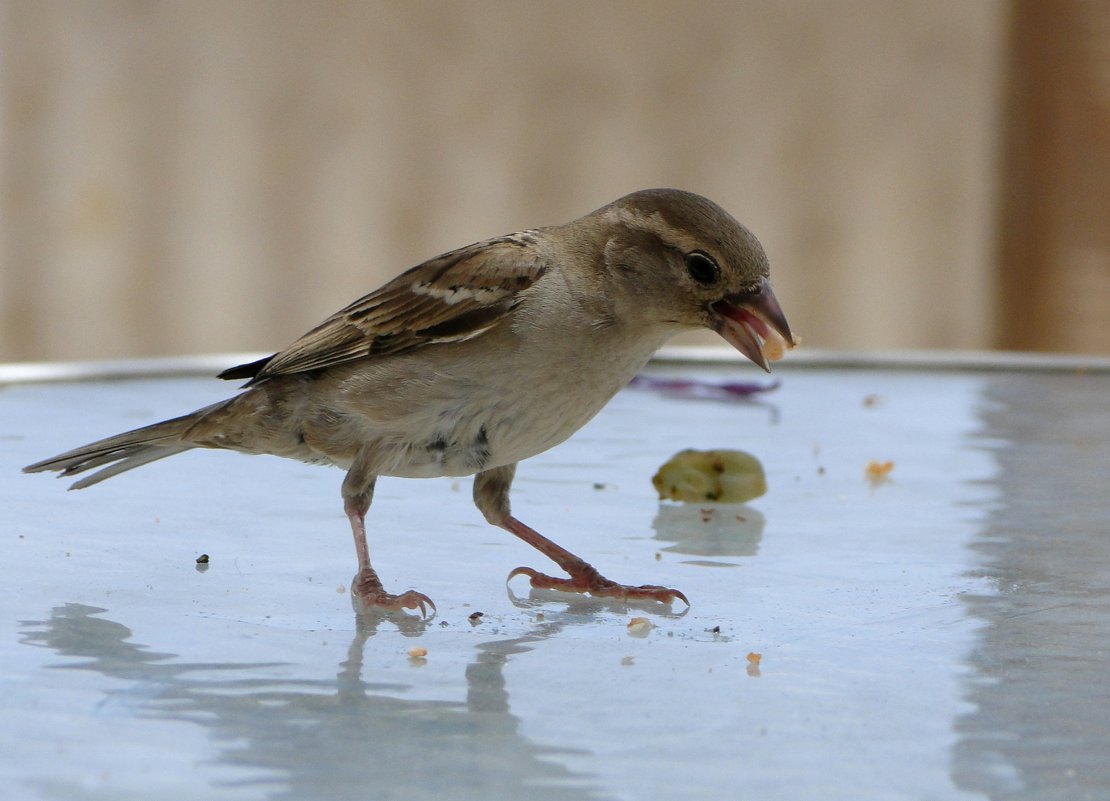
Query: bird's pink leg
[[491, 495], [367, 591]]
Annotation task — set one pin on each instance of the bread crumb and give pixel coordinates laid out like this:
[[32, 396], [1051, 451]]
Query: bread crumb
[[639, 626], [753, 664], [878, 472], [775, 345]]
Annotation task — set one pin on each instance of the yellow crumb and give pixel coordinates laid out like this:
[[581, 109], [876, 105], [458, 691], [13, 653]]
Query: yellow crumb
[[775, 346], [716, 476], [877, 472]]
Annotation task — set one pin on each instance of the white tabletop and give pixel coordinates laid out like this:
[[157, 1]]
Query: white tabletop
[[943, 635]]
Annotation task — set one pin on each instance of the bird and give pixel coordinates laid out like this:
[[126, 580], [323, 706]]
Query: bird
[[478, 359]]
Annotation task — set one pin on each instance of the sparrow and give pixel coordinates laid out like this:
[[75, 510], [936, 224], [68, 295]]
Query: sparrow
[[480, 358]]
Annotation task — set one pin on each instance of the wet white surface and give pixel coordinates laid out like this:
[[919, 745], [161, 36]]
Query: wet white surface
[[943, 635]]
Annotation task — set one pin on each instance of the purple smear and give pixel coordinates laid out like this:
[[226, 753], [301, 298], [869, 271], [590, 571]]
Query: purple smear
[[702, 389]]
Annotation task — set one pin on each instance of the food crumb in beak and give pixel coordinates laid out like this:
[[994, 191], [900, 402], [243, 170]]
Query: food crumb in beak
[[775, 345]]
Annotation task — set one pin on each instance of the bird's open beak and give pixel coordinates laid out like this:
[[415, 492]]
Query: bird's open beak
[[753, 323]]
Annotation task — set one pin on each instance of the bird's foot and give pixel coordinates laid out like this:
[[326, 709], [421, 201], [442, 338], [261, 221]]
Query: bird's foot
[[368, 595], [588, 580]]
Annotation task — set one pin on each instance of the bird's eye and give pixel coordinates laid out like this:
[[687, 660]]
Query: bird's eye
[[702, 268]]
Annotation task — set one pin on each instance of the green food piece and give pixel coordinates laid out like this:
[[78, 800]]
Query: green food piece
[[719, 476]]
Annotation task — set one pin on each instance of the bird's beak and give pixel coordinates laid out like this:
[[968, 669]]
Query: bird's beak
[[753, 323]]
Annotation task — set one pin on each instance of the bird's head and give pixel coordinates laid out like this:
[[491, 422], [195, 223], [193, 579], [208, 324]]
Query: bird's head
[[685, 262]]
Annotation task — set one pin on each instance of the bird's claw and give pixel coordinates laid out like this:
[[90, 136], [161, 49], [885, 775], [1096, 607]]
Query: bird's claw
[[593, 583], [387, 602], [368, 595]]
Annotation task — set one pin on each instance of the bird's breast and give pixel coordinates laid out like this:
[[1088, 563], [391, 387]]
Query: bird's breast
[[462, 409]]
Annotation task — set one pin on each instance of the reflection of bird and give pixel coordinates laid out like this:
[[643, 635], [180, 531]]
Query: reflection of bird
[[296, 736], [482, 357]]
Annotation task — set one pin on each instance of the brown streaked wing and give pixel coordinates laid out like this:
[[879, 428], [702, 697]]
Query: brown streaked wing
[[452, 297]]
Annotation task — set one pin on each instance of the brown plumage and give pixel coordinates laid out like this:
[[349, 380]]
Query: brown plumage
[[482, 357]]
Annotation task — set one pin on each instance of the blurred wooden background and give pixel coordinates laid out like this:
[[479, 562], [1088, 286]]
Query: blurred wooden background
[[184, 177]]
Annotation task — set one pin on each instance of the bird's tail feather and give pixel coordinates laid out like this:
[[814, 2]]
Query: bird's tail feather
[[124, 451]]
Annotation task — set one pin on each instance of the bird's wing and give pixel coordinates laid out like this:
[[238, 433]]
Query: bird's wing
[[451, 298]]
